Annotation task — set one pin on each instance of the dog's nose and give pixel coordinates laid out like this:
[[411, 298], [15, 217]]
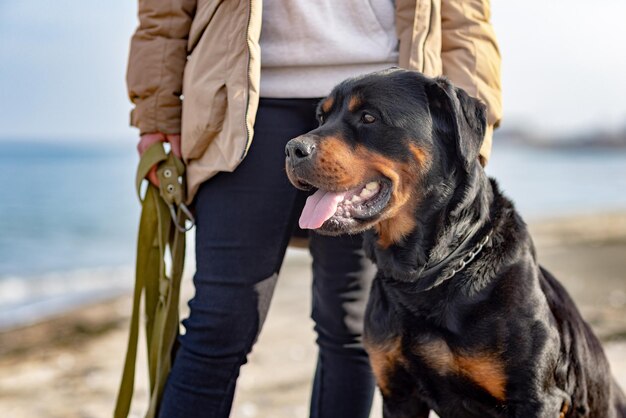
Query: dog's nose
[[300, 149]]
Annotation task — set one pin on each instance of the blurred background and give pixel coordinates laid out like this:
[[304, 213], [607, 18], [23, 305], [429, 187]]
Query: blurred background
[[68, 211]]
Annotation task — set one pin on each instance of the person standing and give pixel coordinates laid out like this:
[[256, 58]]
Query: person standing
[[228, 83]]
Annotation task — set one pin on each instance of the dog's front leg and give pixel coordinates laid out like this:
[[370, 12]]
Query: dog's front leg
[[531, 409], [401, 397], [404, 408]]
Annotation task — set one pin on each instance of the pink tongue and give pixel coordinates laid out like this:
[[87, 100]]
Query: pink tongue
[[319, 207]]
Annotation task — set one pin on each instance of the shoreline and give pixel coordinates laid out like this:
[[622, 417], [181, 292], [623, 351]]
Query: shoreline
[[30, 300], [548, 232], [78, 354]]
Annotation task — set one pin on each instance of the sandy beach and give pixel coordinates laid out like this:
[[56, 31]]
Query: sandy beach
[[69, 366]]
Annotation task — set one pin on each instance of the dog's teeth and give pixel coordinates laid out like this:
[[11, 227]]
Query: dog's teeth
[[373, 186], [355, 199], [369, 190]]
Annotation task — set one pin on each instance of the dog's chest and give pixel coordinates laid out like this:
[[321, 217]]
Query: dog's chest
[[433, 360], [485, 369], [399, 348]]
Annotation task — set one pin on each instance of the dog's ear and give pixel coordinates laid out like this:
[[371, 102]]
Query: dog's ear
[[457, 116]]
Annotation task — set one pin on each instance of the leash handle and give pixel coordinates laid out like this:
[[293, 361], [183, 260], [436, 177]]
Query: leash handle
[[154, 155], [171, 175], [172, 185]]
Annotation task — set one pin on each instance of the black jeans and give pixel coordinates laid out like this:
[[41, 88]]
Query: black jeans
[[244, 222]]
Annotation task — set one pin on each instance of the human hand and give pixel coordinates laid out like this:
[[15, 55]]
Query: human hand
[[147, 140]]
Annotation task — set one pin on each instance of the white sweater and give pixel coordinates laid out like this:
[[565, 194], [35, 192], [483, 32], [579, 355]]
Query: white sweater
[[308, 46]]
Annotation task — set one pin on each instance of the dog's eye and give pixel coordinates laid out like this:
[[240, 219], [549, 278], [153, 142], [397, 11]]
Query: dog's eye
[[367, 118], [321, 118]]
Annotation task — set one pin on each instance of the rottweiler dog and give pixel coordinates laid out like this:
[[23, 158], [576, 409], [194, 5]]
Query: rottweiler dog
[[461, 318]]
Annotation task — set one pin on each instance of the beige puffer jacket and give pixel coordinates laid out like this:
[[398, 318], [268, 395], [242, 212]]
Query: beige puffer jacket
[[208, 51]]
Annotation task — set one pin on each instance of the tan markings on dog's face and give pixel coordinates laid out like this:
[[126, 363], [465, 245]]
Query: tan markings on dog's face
[[484, 369], [394, 229], [406, 178], [328, 104], [354, 103], [342, 167], [338, 166], [421, 156], [385, 360]]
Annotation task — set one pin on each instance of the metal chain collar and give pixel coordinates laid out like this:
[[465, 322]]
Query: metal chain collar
[[462, 262]]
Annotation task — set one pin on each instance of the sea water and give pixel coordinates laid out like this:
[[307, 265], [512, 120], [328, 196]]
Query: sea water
[[68, 216], [69, 213]]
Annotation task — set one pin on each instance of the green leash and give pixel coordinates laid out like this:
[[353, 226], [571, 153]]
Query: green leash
[[161, 228]]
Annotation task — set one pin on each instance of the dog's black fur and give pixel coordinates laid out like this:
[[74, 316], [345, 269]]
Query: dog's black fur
[[501, 338]]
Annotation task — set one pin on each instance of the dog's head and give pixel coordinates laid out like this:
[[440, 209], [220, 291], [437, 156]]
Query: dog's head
[[383, 141]]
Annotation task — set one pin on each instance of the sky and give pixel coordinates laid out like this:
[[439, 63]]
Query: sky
[[63, 63]]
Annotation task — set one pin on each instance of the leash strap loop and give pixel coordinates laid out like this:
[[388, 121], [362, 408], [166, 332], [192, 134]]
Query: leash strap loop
[[162, 214]]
